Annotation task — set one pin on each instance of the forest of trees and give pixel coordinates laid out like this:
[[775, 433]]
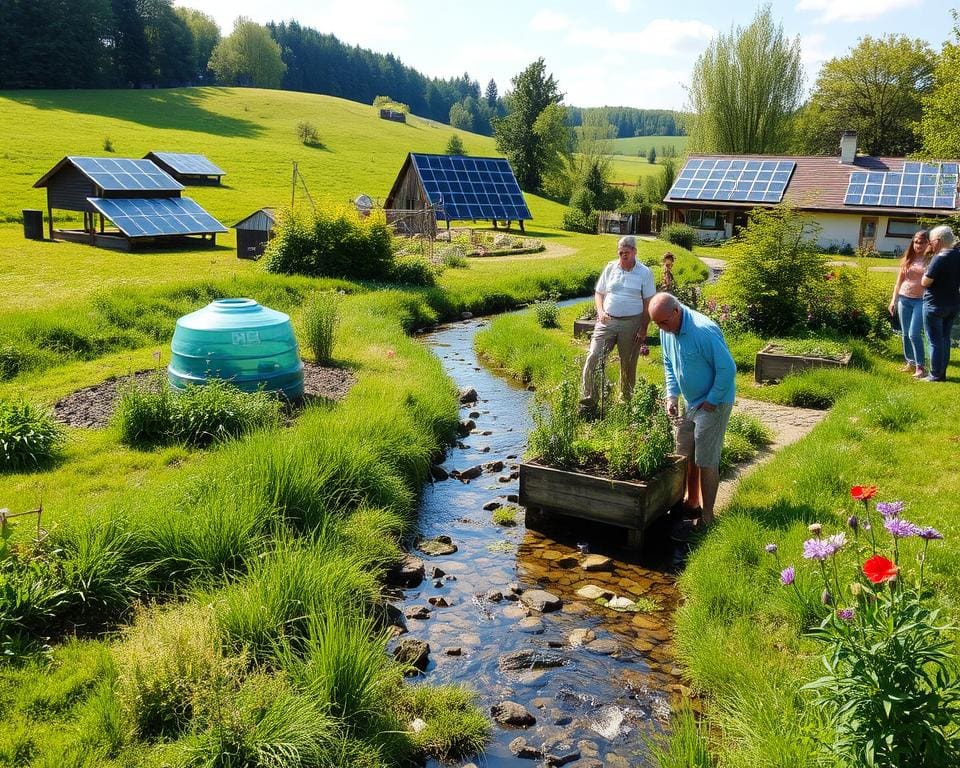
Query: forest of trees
[[630, 121]]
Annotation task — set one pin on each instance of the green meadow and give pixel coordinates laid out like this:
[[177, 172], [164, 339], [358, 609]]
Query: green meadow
[[633, 146]]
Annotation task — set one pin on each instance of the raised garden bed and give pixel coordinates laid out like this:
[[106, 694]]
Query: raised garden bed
[[774, 362], [583, 328], [630, 504]]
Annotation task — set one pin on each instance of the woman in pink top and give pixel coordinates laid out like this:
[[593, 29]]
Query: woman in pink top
[[908, 302]]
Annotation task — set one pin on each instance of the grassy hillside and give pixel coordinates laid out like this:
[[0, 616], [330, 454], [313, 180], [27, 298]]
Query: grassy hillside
[[634, 145]]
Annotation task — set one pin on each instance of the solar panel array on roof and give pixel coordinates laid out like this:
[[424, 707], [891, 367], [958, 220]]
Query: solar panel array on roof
[[918, 185], [157, 217], [124, 174], [189, 164], [749, 181], [471, 187]]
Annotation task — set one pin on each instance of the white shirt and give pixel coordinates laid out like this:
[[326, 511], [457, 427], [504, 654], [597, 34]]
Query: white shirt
[[625, 292]]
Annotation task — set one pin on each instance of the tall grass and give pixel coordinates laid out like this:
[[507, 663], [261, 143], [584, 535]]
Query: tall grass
[[29, 436], [321, 316]]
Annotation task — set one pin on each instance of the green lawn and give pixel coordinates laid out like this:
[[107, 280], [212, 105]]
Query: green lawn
[[634, 145]]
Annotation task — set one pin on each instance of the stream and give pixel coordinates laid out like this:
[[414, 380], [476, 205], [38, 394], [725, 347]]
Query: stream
[[596, 680]]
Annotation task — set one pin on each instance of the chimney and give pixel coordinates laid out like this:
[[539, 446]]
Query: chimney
[[848, 147]]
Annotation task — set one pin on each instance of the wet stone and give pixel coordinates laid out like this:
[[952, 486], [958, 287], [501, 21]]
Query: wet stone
[[485, 449], [409, 573], [512, 497], [567, 562], [453, 651], [560, 718], [588, 762], [493, 466], [561, 754], [589, 748], [603, 647], [438, 602], [465, 427], [492, 505], [494, 596], [437, 547], [531, 677], [468, 395], [474, 414], [531, 624], [596, 563], [613, 760], [516, 612], [416, 612], [504, 479], [580, 637], [414, 652], [592, 592], [511, 713], [529, 658], [521, 749], [438, 473], [471, 473], [437, 573]]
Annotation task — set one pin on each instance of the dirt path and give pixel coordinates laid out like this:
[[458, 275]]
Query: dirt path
[[788, 424]]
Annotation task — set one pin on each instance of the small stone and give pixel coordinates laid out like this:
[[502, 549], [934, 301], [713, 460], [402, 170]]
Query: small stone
[[453, 651], [494, 596], [532, 625], [515, 588], [409, 573], [593, 592], [449, 577], [567, 562], [465, 427], [541, 600], [485, 449], [493, 466], [414, 652], [418, 725], [512, 497], [438, 473], [561, 754], [560, 718], [621, 604], [504, 479], [438, 602], [438, 583], [511, 713], [602, 647], [471, 473], [474, 414], [511, 456], [519, 748], [416, 612], [588, 762], [596, 563], [437, 573], [580, 637], [437, 547], [468, 395], [492, 505], [466, 315], [529, 658]]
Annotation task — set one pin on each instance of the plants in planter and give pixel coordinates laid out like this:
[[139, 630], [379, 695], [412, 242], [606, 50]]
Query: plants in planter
[[782, 356], [617, 470]]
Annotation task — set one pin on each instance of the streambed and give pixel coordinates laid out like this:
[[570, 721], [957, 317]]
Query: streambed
[[595, 679]]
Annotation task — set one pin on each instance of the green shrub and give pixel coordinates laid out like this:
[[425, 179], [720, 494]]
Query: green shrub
[[413, 270], [505, 516], [198, 416], [455, 727], [681, 235], [547, 313], [308, 135], [454, 258], [29, 436], [330, 244], [321, 315], [575, 220]]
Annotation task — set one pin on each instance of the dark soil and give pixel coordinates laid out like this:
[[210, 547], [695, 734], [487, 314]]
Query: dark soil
[[93, 406]]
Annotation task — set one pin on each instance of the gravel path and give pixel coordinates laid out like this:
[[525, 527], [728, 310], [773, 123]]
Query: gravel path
[[92, 407]]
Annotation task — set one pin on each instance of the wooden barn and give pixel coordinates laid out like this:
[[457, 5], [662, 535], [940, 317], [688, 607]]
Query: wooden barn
[[394, 115], [457, 188], [141, 202], [254, 232], [186, 168]]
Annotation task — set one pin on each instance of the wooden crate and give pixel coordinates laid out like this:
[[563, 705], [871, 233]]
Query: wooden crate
[[546, 491], [583, 328], [772, 365]]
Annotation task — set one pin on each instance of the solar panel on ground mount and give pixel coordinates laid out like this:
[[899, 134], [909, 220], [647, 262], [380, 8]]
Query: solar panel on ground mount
[[157, 217], [918, 185], [183, 162], [739, 180], [471, 187], [126, 174]]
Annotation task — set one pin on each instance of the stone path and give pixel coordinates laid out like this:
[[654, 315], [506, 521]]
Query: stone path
[[788, 424]]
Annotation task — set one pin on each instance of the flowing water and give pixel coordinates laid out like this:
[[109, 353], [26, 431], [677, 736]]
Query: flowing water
[[615, 679]]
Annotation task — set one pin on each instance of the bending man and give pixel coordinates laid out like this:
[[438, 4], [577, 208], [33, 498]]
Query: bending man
[[696, 364], [622, 296]]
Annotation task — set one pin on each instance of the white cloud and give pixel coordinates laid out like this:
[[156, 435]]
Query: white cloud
[[659, 37], [549, 21], [620, 6], [852, 10], [649, 87]]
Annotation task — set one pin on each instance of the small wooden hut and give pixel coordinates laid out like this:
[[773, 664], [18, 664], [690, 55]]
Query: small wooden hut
[[254, 232], [187, 168]]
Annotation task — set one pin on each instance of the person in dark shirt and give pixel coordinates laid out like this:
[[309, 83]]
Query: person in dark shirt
[[941, 299]]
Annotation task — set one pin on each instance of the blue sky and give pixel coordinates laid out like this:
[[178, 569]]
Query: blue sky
[[615, 52]]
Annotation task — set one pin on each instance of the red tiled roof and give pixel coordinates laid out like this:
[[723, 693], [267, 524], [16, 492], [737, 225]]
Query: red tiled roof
[[819, 183]]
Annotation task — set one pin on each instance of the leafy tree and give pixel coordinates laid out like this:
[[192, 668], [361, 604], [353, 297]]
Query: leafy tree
[[532, 144], [169, 43], [206, 35], [491, 94], [655, 188], [745, 89], [248, 56], [875, 90], [652, 155], [455, 146], [940, 126], [131, 53], [460, 117]]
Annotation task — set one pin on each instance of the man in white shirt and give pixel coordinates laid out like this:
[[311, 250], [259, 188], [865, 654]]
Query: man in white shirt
[[622, 296]]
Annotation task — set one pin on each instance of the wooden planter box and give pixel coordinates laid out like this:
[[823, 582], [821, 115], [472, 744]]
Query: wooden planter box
[[546, 491], [772, 365], [583, 328]]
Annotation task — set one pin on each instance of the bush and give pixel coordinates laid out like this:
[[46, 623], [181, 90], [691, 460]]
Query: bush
[[308, 135], [575, 220], [681, 235], [29, 436], [321, 315], [331, 244], [413, 270], [455, 146], [547, 313], [198, 416], [454, 258]]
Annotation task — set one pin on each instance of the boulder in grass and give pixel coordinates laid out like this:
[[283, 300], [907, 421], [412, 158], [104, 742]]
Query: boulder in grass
[[415, 653]]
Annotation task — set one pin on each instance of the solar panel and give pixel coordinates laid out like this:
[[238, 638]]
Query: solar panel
[[748, 181], [185, 163], [918, 185], [157, 216], [125, 174], [471, 187]]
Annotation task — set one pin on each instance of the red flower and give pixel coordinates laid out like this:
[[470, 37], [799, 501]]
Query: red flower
[[863, 492], [878, 569]]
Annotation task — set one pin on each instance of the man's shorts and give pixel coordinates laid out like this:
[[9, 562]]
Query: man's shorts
[[700, 434]]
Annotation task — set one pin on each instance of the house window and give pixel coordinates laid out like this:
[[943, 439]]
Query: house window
[[705, 219], [902, 227]]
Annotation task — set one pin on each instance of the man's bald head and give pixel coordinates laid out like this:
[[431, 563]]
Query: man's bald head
[[665, 312]]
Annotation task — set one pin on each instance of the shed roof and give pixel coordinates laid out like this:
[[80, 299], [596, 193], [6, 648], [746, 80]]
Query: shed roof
[[270, 213], [117, 174], [186, 164]]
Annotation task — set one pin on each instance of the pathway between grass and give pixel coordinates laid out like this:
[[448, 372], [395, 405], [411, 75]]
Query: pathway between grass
[[788, 425]]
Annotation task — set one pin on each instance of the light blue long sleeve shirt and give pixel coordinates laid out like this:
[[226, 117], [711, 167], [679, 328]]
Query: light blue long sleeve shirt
[[697, 363]]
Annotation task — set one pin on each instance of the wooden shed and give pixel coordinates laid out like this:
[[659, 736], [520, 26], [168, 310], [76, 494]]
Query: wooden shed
[[140, 200], [187, 168], [394, 115], [254, 232]]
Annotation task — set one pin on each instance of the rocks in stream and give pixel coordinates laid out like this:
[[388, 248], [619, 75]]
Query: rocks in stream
[[465, 427], [414, 652], [529, 658], [511, 713], [541, 600], [466, 475], [438, 546], [408, 573], [521, 749], [438, 473], [596, 563], [421, 612], [467, 395]]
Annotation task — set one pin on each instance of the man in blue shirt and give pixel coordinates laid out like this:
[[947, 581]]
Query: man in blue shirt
[[697, 365], [941, 299]]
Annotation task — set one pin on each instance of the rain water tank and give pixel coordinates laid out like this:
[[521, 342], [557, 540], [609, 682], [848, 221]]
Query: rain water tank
[[238, 340]]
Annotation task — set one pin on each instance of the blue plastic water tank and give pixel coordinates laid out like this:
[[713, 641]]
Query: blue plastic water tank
[[238, 340]]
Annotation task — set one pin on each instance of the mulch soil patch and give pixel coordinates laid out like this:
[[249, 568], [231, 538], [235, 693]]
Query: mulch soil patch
[[93, 406]]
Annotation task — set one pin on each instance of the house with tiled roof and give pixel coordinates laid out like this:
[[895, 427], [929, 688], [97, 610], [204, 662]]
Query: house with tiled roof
[[857, 200]]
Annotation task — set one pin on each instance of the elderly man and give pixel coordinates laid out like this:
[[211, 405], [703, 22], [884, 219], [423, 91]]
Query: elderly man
[[941, 299], [697, 365], [622, 296]]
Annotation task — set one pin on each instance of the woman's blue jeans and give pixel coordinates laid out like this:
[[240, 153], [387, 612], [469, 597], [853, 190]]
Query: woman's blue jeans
[[911, 323]]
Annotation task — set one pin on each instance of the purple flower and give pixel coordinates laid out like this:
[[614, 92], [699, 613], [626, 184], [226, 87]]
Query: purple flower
[[787, 575], [890, 508], [846, 614], [836, 542], [771, 548], [817, 549], [853, 523], [929, 534], [901, 529]]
